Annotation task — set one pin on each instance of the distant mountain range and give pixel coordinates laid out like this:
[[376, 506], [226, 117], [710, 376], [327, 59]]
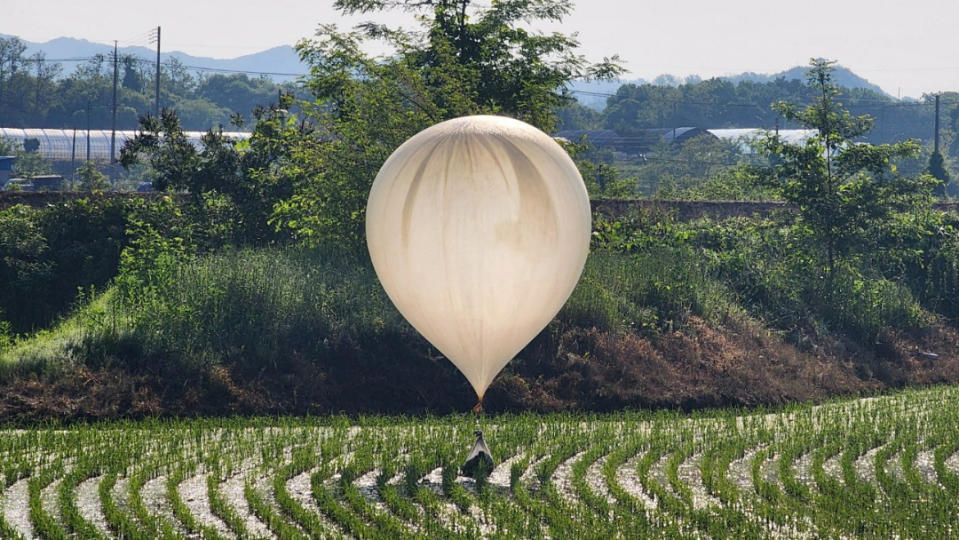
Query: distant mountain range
[[591, 94], [278, 60], [842, 76], [282, 64]]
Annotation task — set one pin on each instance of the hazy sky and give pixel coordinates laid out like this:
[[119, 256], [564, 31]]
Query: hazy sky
[[908, 47]]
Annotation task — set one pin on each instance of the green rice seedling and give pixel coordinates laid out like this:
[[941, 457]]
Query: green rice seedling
[[878, 467], [182, 512], [120, 522], [42, 521], [223, 510], [66, 496], [280, 526]]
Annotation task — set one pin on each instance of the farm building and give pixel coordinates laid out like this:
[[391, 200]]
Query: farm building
[[70, 145]]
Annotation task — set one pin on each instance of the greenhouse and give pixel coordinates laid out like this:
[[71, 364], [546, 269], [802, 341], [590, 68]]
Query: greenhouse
[[82, 145]]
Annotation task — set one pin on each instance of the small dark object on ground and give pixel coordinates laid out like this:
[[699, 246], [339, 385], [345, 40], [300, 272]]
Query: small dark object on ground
[[479, 453]]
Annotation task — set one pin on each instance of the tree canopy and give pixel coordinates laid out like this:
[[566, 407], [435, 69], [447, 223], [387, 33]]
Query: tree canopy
[[465, 59], [846, 192]]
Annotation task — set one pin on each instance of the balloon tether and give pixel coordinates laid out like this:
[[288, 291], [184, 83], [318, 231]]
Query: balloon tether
[[478, 412]]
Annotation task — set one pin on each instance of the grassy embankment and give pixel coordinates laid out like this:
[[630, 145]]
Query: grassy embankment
[[676, 315]]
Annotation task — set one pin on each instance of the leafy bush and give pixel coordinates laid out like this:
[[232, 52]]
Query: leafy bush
[[863, 307], [24, 266], [254, 308], [942, 279], [768, 267], [48, 254], [648, 292]]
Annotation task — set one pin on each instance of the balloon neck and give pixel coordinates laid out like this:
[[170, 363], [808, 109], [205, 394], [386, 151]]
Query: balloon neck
[[478, 408]]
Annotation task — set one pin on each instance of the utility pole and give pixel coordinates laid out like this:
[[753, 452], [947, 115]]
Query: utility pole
[[36, 100], [88, 130], [113, 127], [158, 72], [157, 104], [73, 160], [936, 150]]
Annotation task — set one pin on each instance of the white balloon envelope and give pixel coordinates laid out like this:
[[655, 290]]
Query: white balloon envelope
[[478, 228]]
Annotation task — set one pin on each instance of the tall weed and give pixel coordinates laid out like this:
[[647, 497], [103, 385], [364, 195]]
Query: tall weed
[[650, 291], [259, 307]]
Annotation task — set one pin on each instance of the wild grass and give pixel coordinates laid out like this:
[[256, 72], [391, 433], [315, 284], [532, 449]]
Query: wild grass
[[58, 349], [261, 307], [648, 292], [264, 307], [284, 309]]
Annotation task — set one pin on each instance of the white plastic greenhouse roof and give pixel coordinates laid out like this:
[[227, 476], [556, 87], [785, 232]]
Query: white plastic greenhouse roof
[[744, 137], [58, 144], [748, 134]]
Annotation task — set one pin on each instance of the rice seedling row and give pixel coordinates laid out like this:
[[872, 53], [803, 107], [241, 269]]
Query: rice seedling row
[[869, 468]]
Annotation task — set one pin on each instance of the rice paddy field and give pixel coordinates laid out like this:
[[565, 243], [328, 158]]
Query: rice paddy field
[[882, 467]]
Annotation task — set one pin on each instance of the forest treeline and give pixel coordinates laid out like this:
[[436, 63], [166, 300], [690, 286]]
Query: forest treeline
[[35, 93], [719, 103]]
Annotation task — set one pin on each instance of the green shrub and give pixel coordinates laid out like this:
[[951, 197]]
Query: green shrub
[[941, 291], [649, 291], [776, 279], [25, 268], [862, 307], [254, 307]]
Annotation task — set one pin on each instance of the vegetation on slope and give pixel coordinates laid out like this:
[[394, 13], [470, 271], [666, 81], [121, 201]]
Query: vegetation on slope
[[255, 294]]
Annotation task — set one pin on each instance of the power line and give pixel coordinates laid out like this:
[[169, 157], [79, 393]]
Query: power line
[[688, 161], [666, 99], [151, 62], [661, 99], [691, 102], [76, 59], [224, 70]]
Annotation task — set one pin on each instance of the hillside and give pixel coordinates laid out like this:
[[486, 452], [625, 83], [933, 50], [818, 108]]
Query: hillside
[[586, 91], [677, 324], [284, 59], [282, 62], [843, 76]]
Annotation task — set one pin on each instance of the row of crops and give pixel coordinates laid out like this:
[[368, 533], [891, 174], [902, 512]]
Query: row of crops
[[880, 467]]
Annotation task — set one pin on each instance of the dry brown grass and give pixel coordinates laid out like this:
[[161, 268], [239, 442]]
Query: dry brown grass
[[737, 364]]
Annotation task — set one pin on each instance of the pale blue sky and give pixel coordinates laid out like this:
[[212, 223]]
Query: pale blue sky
[[912, 47]]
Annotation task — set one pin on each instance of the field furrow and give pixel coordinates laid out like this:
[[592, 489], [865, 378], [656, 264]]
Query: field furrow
[[875, 468], [15, 506]]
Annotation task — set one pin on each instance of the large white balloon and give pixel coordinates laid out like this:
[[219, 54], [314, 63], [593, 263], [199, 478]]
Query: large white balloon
[[478, 229]]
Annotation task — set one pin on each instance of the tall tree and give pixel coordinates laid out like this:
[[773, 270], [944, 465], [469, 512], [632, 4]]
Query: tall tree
[[845, 191], [46, 72], [241, 171], [132, 79], [467, 58], [11, 59]]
